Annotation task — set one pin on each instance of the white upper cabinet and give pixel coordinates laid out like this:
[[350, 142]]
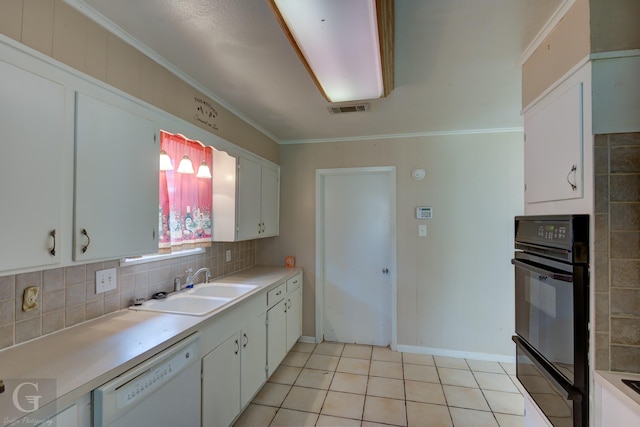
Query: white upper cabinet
[[249, 200], [32, 117], [558, 152], [554, 147], [245, 198], [116, 180], [270, 201]]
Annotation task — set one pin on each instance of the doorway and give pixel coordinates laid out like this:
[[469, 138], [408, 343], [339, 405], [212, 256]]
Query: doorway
[[356, 255]]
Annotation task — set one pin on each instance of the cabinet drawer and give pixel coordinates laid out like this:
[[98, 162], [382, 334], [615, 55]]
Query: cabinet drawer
[[294, 282], [276, 294]]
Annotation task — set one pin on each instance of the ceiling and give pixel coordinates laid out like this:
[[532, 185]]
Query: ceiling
[[456, 64]]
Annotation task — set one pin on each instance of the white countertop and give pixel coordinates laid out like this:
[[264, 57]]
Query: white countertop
[[87, 355], [612, 381]]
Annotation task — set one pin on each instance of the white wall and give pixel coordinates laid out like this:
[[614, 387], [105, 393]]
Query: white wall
[[455, 287]]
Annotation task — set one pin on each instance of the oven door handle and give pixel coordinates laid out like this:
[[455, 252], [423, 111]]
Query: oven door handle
[[568, 391], [564, 277], [525, 246]]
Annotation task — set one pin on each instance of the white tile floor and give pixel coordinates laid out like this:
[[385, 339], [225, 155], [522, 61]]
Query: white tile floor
[[332, 384]]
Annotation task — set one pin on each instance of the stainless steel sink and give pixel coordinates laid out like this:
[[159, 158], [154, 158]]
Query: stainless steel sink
[[183, 304], [220, 290]]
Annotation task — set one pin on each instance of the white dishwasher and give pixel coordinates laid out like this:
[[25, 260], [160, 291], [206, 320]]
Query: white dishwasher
[[163, 391]]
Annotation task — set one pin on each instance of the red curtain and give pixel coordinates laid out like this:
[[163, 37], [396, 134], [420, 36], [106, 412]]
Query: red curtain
[[185, 200]]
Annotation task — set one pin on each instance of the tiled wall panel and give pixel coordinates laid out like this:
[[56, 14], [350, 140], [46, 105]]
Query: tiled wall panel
[[617, 250]]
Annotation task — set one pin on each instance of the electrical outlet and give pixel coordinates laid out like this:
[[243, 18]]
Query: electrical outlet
[[30, 298], [228, 255], [106, 280]]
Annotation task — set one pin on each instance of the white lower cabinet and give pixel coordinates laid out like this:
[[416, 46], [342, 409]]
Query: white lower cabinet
[[221, 383], [616, 404], [294, 317], [533, 416], [78, 414], [253, 356], [276, 335], [232, 374], [239, 361], [284, 322]]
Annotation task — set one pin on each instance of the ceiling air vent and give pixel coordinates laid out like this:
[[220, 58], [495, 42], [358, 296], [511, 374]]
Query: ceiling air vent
[[353, 108]]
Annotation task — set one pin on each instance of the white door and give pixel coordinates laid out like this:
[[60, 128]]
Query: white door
[[357, 235]]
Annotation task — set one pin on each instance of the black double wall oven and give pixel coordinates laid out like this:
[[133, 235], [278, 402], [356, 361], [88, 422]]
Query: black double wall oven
[[552, 314]]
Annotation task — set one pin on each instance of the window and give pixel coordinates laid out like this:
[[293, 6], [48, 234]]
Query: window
[[185, 211]]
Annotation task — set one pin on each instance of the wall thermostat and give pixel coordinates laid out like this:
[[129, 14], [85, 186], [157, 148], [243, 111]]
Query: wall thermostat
[[423, 212]]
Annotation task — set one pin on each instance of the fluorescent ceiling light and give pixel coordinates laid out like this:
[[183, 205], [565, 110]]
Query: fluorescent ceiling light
[[346, 45]]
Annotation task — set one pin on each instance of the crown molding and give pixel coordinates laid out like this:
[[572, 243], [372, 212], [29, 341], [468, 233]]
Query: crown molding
[[404, 135]]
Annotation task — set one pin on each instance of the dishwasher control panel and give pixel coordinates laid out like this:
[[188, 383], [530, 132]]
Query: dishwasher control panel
[[153, 378], [132, 387]]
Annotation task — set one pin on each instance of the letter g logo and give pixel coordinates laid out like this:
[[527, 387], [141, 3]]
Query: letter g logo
[[33, 399]]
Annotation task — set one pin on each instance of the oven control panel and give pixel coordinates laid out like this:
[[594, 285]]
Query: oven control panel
[[552, 232], [546, 232], [561, 237]]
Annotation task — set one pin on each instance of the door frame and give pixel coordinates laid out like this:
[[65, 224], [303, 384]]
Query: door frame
[[321, 174]]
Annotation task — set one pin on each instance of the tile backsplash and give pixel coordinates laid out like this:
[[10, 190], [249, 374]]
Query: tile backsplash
[[617, 252], [67, 295]]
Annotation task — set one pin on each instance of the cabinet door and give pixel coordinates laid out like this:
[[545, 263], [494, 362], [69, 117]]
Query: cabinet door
[[223, 185], [249, 189], [67, 418], [276, 335], [294, 317], [615, 412], [32, 119], [253, 358], [553, 147], [221, 384], [116, 182], [270, 201]]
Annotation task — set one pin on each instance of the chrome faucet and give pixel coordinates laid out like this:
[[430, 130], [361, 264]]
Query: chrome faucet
[[191, 277]]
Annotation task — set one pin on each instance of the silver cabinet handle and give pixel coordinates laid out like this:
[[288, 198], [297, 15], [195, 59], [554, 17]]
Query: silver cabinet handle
[[574, 171], [246, 340], [237, 347], [385, 271], [85, 234], [52, 251]]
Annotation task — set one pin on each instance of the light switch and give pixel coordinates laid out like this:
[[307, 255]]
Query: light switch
[[422, 230], [106, 280]]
